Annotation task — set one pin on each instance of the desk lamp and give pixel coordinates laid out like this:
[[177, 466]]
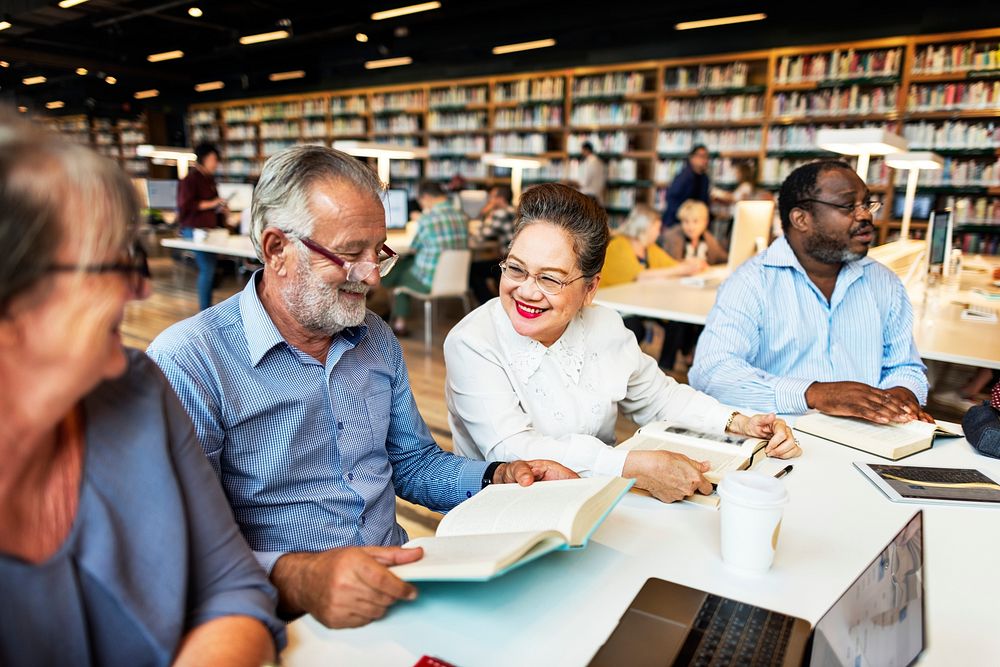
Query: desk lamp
[[861, 141], [382, 153], [913, 162], [517, 164]]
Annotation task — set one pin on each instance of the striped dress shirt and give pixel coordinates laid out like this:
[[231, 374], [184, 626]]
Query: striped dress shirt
[[772, 333], [308, 454]]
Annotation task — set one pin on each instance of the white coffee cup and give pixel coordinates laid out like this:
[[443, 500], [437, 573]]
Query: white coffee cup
[[750, 518]]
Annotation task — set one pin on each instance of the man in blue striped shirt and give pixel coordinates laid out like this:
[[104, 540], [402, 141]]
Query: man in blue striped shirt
[[301, 399], [812, 322]]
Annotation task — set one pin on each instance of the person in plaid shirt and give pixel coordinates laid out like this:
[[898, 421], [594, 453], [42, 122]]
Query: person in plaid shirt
[[498, 226], [441, 227]]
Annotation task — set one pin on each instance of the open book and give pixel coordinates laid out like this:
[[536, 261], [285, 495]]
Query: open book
[[507, 525], [725, 453], [890, 441]]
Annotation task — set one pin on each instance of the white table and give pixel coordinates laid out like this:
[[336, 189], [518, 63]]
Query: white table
[[240, 246], [560, 609], [663, 299]]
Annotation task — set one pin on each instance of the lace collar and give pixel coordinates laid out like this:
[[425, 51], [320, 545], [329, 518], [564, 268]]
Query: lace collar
[[525, 355]]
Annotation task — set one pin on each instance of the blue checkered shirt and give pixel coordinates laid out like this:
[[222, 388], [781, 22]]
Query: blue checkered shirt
[[309, 455]]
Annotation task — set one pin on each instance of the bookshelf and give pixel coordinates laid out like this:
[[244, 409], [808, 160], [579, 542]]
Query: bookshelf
[[762, 107], [115, 139]]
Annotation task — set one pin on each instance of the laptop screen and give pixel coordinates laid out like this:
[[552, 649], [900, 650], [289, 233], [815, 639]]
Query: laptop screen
[[879, 620]]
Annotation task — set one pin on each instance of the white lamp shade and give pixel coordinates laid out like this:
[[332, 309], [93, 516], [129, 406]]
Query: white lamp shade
[[860, 141], [915, 160], [165, 152], [374, 149], [512, 161]]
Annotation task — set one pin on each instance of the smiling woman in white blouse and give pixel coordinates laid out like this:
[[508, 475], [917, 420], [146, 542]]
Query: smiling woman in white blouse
[[541, 373]]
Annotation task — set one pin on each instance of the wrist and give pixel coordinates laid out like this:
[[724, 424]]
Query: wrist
[[733, 423], [493, 473], [290, 575], [810, 395]]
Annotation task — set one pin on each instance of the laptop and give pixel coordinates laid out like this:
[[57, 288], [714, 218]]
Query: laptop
[[751, 231], [879, 620]]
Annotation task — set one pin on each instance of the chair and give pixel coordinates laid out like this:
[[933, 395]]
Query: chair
[[451, 281]]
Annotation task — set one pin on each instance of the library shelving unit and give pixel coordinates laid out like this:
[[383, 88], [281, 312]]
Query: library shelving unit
[[116, 139], [762, 107]]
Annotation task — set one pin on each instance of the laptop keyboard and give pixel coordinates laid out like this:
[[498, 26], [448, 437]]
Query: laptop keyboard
[[728, 632]]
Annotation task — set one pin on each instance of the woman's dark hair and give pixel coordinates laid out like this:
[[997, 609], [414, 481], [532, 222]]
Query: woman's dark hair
[[35, 165], [801, 184], [577, 214], [203, 150]]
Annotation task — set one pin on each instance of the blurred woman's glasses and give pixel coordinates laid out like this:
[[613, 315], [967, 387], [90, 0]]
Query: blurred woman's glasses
[[134, 267]]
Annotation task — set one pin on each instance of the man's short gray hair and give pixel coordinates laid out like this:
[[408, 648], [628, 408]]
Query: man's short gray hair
[[281, 198]]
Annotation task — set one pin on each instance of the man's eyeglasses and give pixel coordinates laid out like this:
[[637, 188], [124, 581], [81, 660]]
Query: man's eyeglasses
[[357, 271], [134, 267], [548, 284], [872, 205]]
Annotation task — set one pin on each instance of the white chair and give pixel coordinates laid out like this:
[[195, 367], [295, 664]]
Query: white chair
[[451, 281]]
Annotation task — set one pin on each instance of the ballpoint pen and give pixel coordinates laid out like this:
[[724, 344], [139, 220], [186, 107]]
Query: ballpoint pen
[[784, 471]]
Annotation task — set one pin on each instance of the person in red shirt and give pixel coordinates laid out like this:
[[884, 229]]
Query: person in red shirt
[[200, 207]]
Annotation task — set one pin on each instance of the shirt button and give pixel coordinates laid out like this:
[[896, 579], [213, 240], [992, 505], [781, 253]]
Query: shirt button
[[362, 520], [350, 476], [468, 494], [340, 425]]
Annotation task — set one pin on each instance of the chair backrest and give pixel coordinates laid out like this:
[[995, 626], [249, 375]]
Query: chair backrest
[[451, 277]]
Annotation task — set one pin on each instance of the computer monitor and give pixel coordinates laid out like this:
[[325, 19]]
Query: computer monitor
[[397, 212], [238, 196], [162, 194], [751, 230], [472, 202], [939, 231], [922, 207]]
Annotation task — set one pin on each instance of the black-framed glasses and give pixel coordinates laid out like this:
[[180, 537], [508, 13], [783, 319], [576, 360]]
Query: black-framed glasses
[[135, 268], [356, 271], [546, 283], [871, 206]]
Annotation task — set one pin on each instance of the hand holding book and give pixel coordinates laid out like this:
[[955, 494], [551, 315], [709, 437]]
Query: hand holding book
[[855, 399], [781, 443]]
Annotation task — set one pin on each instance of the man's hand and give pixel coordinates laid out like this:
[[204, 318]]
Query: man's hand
[[906, 397], [856, 399], [781, 443], [526, 473], [343, 588], [667, 476]]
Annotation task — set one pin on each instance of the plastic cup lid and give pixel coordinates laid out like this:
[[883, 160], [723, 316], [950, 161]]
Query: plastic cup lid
[[753, 489]]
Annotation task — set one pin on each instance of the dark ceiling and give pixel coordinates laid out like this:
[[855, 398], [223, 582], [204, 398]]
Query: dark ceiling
[[114, 37]]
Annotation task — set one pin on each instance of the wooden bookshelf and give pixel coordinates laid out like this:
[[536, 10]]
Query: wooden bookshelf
[[762, 107], [116, 139]]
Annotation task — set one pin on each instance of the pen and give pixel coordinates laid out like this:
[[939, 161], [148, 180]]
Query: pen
[[784, 471]]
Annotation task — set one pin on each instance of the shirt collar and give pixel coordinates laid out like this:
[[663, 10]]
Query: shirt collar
[[526, 354], [261, 333]]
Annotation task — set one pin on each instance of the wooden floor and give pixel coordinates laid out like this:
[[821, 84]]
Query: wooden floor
[[173, 299]]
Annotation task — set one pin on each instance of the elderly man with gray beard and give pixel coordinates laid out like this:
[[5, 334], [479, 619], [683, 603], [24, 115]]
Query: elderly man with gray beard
[[301, 399]]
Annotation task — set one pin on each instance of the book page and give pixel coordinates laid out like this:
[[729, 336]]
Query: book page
[[472, 557], [511, 508], [850, 431], [723, 452]]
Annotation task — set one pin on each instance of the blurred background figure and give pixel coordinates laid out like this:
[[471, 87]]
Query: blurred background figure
[[497, 228], [200, 207], [593, 173], [691, 183]]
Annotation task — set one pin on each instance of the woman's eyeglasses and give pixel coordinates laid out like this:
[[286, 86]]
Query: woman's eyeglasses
[[548, 284], [356, 271], [134, 267]]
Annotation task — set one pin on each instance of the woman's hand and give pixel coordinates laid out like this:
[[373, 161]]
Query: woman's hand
[[667, 476], [692, 265], [781, 443]]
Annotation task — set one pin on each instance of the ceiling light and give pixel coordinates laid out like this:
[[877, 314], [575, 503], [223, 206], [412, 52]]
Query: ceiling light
[[195, 12], [403, 11], [4, 25], [388, 62], [165, 152], [523, 46], [166, 55], [23, 109], [209, 85], [110, 80], [361, 37], [55, 104], [264, 37], [146, 94], [82, 71], [726, 20], [32, 80], [66, 4], [286, 76], [4, 64]]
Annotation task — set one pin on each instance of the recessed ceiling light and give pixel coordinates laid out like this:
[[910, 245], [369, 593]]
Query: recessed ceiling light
[[146, 94], [195, 12], [55, 104], [4, 64], [23, 109], [264, 37], [388, 62], [403, 11], [361, 37], [66, 4], [110, 80], [286, 76], [209, 85], [4, 25], [32, 80], [523, 46], [166, 55], [726, 20], [82, 71]]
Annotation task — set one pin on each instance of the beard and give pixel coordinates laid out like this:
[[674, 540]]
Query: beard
[[318, 307], [825, 248]]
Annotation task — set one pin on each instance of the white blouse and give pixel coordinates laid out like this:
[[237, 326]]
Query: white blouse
[[510, 397]]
